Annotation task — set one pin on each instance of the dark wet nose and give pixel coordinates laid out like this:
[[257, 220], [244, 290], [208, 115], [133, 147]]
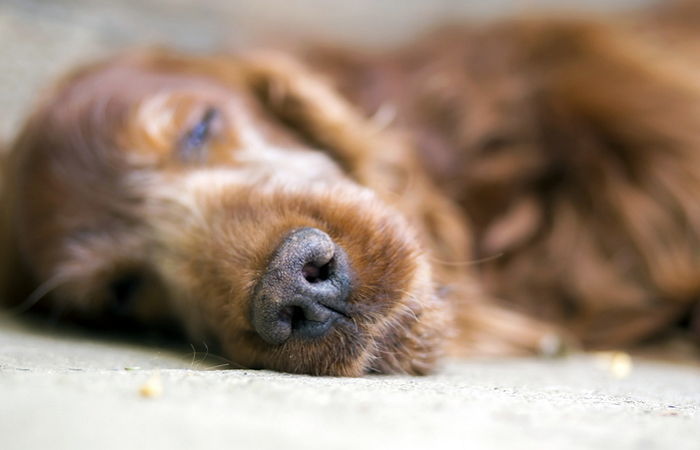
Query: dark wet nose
[[304, 290]]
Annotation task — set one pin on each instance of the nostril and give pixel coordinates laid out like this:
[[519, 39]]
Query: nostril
[[293, 316], [315, 274]]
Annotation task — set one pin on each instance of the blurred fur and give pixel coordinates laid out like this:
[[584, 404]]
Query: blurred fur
[[555, 159], [572, 145]]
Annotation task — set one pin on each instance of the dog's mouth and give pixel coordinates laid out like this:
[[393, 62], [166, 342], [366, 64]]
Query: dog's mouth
[[304, 324], [297, 318]]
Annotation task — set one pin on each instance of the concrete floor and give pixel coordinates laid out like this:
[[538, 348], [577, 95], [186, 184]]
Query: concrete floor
[[63, 389]]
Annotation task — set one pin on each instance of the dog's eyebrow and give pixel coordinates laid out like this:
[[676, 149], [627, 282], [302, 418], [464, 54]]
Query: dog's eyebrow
[[192, 144]]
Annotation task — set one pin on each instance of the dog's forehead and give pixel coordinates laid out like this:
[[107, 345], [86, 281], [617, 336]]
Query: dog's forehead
[[129, 81]]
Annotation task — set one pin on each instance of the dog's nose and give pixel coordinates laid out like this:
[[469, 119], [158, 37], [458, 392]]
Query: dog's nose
[[304, 290]]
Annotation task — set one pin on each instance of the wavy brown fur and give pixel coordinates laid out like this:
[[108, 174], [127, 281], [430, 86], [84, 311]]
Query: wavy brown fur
[[573, 146]]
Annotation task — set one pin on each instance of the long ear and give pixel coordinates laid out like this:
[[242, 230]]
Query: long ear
[[304, 100], [621, 122], [635, 113]]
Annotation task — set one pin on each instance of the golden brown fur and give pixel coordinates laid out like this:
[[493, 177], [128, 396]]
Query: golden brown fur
[[565, 150]]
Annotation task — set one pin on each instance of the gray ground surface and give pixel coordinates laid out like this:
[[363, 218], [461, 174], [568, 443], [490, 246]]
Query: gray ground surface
[[63, 390]]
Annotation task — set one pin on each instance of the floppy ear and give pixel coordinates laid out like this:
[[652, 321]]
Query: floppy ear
[[376, 157], [631, 119], [305, 101]]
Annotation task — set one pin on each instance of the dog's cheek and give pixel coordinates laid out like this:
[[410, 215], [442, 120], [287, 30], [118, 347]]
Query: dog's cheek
[[418, 351], [208, 288], [414, 335]]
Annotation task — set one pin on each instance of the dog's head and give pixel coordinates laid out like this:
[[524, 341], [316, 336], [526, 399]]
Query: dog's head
[[231, 194]]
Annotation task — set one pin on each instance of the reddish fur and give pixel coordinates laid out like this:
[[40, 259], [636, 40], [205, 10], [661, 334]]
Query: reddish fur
[[569, 145], [572, 146]]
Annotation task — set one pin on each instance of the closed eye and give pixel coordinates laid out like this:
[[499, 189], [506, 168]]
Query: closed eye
[[496, 143], [193, 145]]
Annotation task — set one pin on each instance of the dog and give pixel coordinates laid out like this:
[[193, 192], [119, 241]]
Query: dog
[[526, 197]]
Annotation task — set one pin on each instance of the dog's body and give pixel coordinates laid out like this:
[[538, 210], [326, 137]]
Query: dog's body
[[246, 199], [571, 146]]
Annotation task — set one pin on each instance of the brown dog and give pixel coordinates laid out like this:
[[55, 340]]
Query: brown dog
[[245, 199]]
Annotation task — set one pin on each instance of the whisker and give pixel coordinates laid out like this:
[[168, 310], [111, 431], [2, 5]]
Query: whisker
[[217, 366], [194, 354], [194, 364], [40, 292], [226, 362], [206, 348], [466, 263]]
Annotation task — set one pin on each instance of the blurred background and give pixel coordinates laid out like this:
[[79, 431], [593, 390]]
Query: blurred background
[[39, 39]]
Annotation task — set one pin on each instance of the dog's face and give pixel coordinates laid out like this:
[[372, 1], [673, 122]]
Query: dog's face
[[164, 186]]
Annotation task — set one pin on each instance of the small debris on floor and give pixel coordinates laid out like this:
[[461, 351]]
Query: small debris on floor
[[618, 364], [152, 388]]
